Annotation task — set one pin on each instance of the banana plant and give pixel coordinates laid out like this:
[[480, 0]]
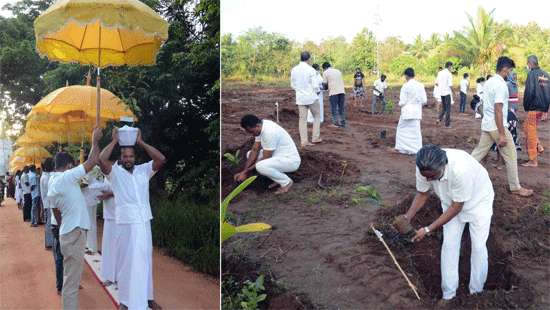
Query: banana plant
[[233, 159], [227, 229]]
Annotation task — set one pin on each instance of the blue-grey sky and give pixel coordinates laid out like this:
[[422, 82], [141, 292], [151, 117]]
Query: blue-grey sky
[[318, 19]]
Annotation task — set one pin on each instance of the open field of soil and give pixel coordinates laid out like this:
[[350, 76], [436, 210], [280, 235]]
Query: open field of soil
[[322, 253]]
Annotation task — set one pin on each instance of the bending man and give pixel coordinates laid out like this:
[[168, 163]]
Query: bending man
[[272, 154]]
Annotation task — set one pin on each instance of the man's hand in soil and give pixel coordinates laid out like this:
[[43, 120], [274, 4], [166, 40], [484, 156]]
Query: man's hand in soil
[[420, 234], [241, 176]]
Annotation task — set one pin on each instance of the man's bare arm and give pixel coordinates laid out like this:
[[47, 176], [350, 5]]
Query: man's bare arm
[[93, 158], [158, 158], [104, 162]]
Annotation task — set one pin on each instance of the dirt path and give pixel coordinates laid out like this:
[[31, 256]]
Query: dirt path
[[27, 272], [321, 249], [27, 279]]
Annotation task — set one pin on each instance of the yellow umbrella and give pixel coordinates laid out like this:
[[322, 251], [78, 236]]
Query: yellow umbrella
[[26, 140], [100, 33], [32, 151], [82, 99], [24, 161]]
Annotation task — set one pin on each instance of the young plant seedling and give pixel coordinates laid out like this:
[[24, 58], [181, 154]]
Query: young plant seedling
[[233, 159]]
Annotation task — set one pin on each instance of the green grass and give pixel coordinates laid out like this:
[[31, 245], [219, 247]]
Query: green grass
[[546, 208], [187, 231]]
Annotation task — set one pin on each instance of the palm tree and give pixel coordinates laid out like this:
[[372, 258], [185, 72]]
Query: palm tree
[[482, 41], [418, 48]]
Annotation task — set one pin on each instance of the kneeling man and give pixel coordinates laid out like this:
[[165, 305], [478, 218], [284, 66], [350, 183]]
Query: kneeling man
[[466, 193], [272, 154]]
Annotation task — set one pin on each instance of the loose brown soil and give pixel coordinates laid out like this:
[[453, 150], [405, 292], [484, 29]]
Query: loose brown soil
[[321, 248]]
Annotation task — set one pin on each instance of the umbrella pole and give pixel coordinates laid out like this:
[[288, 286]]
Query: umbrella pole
[[98, 83]]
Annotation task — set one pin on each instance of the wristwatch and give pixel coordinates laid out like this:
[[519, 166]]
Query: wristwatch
[[427, 230]]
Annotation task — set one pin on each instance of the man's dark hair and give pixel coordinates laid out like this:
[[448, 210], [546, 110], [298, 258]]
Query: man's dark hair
[[409, 72], [480, 79], [383, 77], [48, 165], [505, 62], [448, 64], [62, 160], [250, 121], [358, 68], [326, 65], [532, 59], [465, 75], [315, 66], [127, 147], [431, 157], [32, 168], [305, 56], [488, 77], [440, 68], [26, 169]]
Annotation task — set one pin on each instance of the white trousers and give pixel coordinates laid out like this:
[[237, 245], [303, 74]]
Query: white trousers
[[135, 265], [108, 251], [91, 236], [275, 167], [450, 254], [408, 138], [321, 113]]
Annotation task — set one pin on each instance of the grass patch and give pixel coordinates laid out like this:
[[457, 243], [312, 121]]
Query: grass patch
[[246, 295], [187, 231]]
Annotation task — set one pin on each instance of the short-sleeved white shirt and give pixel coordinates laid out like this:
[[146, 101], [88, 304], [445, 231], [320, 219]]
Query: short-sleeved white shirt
[[24, 180], [275, 138], [464, 180], [464, 85], [444, 82], [131, 192], [494, 90], [65, 194]]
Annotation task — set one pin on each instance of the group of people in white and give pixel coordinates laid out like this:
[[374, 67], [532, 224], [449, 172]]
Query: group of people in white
[[70, 194], [459, 179]]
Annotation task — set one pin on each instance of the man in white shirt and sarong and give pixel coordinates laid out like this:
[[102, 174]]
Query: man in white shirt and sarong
[[408, 138], [304, 81], [466, 194], [72, 216], [444, 87], [130, 186], [272, 155], [47, 169], [494, 125], [109, 236]]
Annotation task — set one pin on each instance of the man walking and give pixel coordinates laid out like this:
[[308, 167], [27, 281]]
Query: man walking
[[337, 94], [494, 124], [464, 84], [71, 215], [536, 100], [27, 196], [130, 186], [47, 169], [444, 87], [303, 79], [272, 155], [378, 90], [466, 193], [408, 138], [35, 196], [108, 241]]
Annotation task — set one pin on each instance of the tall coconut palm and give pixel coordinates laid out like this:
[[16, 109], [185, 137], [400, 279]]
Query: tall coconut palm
[[482, 41]]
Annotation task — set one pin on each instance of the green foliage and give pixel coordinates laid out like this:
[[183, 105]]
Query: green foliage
[[247, 297], [370, 191], [233, 159], [546, 208], [187, 231], [390, 105]]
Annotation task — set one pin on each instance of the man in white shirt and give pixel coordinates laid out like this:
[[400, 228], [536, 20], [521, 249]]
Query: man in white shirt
[[27, 197], [319, 80], [47, 168], [337, 94], [466, 194], [380, 86], [130, 186], [494, 124], [272, 154], [108, 241], [91, 193], [408, 138], [303, 79], [464, 83], [71, 215], [444, 86], [35, 196]]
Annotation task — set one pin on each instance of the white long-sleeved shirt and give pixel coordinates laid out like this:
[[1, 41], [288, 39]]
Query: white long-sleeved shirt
[[444, 82], [304, 81], [411, 99]]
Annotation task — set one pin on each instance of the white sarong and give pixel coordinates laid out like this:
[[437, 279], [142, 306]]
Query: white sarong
[[408, 139], [321, 113], [135, 265], [108, 251], [91, 235]]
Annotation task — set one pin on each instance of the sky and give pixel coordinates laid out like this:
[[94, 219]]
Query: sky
[[2, 12], [315, 20]]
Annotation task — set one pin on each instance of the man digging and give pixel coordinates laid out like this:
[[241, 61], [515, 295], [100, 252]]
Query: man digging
[[273, 153], [466, 194]]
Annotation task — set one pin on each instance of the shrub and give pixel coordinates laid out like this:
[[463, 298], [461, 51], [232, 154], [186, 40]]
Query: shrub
[[187, 231]]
